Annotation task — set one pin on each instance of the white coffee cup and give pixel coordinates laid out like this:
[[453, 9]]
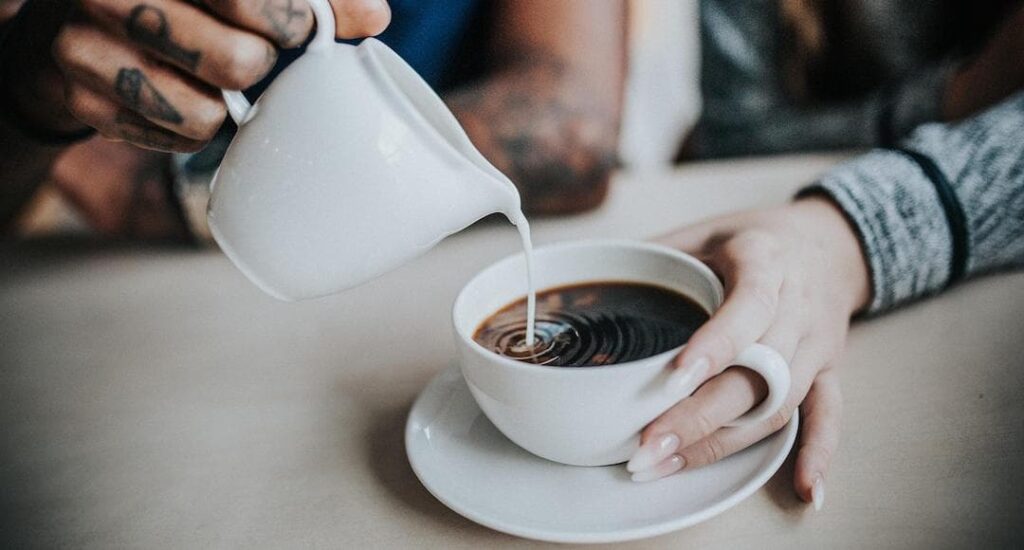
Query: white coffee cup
[[348, 166], [589, 416]]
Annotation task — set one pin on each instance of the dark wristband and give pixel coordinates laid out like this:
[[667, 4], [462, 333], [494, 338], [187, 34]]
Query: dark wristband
[[955, 217]]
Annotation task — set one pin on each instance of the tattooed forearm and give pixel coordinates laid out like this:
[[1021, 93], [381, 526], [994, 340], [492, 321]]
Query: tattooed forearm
[[539, 128], [147, 25], [281, 15], [139, 94]]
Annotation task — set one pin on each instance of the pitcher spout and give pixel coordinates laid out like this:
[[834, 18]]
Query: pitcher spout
[[417, 103]]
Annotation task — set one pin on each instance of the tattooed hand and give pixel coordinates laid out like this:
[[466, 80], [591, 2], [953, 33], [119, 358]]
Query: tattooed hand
[[148, 71]]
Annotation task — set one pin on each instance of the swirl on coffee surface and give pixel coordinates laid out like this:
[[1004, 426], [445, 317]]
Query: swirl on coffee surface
[[593, 324]]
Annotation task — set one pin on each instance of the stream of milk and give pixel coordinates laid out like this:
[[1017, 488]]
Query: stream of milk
[[519, 220]]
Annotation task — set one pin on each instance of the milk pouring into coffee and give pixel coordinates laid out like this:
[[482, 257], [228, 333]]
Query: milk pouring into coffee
[[347, 167], [523, 227]]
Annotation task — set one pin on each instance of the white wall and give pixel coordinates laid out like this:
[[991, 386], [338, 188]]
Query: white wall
[[662, 92]]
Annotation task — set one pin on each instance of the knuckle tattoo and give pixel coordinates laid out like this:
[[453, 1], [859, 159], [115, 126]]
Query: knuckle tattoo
[[148, 25], [286, 19], [134, 88], [144, 135]]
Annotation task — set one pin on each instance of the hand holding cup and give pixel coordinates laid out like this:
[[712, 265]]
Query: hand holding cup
[[793, 277]]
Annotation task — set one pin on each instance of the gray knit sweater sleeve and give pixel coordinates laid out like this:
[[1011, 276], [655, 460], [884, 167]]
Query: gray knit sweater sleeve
[[900, 218]]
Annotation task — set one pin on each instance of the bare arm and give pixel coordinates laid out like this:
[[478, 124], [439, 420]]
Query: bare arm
[[547, 114]]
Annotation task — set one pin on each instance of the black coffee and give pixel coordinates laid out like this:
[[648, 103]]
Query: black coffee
[[594, 324]]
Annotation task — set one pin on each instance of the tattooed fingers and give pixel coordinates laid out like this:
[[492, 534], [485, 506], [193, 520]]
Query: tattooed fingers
[[111, 68], [187, 37], [117, 123], [286, 22], [149, 70]]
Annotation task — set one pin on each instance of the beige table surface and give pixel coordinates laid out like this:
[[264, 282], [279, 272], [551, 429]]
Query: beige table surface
[[153, 398]]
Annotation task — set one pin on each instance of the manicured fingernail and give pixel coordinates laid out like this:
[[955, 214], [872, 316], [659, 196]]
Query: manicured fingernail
[[667, 467], [687, 377], [818, 493], [654, 451]]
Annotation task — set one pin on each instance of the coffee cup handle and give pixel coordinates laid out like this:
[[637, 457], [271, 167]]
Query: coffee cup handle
[[773, 368], [239, 108]]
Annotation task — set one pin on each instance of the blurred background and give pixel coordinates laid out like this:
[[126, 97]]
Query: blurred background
[[662, 103]]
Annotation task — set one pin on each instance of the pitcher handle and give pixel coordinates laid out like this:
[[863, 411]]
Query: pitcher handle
[[239, 107]]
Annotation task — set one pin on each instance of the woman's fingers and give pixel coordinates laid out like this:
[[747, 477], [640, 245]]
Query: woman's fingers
[[718, 402], [114, 69], [753, 277], [690, 435], [670, 465], [822, 408], [726, 441], [822, 415]]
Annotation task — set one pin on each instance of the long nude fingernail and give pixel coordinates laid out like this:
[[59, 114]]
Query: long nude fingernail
[[687, 377], [818, 493], [667, 467], [654, 451]]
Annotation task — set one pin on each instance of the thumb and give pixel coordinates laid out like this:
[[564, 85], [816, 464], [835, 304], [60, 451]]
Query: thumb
[[360, 18]]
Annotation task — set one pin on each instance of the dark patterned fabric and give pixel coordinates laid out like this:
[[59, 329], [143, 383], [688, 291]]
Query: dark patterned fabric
[[891, 82]]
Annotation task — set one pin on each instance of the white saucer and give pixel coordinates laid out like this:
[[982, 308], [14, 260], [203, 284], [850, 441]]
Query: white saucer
[[466, 463]]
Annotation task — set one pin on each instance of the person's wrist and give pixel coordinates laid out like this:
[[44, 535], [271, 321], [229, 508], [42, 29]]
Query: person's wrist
[[840, 243]]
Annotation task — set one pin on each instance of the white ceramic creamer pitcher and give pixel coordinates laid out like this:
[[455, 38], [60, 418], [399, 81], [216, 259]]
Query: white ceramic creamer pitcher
[[348, 166]]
